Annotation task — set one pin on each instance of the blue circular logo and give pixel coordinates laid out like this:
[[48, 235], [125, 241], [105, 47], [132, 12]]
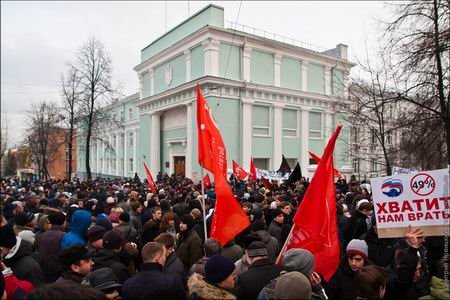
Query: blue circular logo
[[392, 187]]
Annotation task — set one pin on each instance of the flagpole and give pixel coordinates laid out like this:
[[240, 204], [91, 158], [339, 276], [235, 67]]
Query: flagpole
[[203, 205]]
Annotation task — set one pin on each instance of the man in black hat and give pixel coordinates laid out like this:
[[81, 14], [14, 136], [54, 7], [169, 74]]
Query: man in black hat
[[104, 280], [76, 263], [261, 271]]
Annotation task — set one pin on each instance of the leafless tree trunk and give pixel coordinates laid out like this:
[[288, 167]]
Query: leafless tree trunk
[[95, 68], [71, 93], [43, 125], [417, 40]]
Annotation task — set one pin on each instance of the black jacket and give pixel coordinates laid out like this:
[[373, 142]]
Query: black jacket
[[340, 286], [190, 248], [108, 258], [152, 283], [381, 251], [252, 281], [25, 265], [150, 231], [175, 266], [356, 227], [49, 250]]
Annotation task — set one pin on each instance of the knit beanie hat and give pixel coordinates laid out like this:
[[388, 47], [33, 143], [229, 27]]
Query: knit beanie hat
[[104, 223], [7, 236], [276, 212], [300, 260], [293, 285], [124, 217], [218, 268], [95, 233], [24, 218], [358, 247]]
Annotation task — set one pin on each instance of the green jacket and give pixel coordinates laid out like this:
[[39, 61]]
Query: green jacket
[[437, 290]]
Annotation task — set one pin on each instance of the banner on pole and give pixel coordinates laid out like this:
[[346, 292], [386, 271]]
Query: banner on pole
[[417, 199], [272, 175]]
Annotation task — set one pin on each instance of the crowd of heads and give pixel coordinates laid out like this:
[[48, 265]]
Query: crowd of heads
[[116, 238]]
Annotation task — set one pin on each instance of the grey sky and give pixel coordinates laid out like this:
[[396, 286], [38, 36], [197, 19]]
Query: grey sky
[[38, 39]]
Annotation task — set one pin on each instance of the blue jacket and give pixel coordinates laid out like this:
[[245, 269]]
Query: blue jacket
[[81, 219]]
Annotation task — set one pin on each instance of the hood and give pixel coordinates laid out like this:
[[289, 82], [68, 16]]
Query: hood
[[438, 288], [198, 286], [24, 248], [81, 219], [264, 235]]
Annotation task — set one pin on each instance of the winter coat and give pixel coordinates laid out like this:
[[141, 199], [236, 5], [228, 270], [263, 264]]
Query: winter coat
[[70, 276], [109, 258], [174, 265], [341, 286], [150, 231], [26, 233], [128, 232], [81, 219], [49, 250], [437, 290], [199, 266], [152, 283], [275, 230], [198, 227], [271, 243], [190, 248], [15, 289], [135, 221], [260, 273], [24, 264], [200, 289], [381, 251], [356, 227], [233, 251], [242, 265]]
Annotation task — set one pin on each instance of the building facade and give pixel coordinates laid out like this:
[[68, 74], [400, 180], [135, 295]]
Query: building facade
[[269, 98]]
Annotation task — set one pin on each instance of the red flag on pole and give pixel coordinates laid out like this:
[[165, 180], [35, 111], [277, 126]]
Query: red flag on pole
[[315, 226], [252, 169], [267, 183], [206, 180], [238, 171], [209, 138], [317, 160], [229, 218], [151, 182]]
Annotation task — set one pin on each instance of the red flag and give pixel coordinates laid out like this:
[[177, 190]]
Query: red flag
[[211, 148], [317, 160], [151, 182], [206, 180], [252, 169], [238, 171], [314, 226], [229, 218], [267, 183]]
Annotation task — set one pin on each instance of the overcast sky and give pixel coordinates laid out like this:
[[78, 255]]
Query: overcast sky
[[38, 39]]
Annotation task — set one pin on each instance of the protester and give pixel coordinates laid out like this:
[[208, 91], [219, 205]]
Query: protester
[[370, 283], [212, 247], [76, 263], [151, 229], [66, 290], [104, 280], [79, 225], [293, 285], [190, 248], [173, 264]]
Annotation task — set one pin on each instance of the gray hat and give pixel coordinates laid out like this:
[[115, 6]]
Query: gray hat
[[358, 247], [103, 279], [257, 248], [300, 260], [293, 285]]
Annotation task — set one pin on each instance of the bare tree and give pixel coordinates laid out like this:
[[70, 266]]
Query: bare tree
[[3, 136], [71, 94], [416, 41], [43, 127], [95, 68]]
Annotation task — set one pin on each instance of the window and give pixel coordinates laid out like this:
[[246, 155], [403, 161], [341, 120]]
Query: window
[[389, 137], [113, 164], [130, 165], [122, 140], [355, 135], [315, 124], [356, 165], [130, 139], [261, 163], [312, 162], [122, 116], [261, 120], [373, 136], [130, 113], [290, 123], [67, 154], [374, 165]]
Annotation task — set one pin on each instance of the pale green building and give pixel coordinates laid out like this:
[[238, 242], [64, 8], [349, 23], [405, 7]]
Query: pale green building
[[269, 97]]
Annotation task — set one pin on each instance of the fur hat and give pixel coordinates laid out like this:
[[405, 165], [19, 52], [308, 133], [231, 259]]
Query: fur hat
[[358, 247], [218, 268], [257, 249]]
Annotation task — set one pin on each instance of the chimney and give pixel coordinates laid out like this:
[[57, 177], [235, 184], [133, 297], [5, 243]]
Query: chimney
[[343, 50]]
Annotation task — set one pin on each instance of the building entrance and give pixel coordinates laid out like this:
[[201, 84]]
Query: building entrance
[[179, 163]]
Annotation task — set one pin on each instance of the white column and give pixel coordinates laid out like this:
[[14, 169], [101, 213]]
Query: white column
[[246, 63], [189, 141], [305, 76], [117, 153], [125, 158], [187, 55], [277, 70], [246, 141], [346, 84], [327, 80], [328, 125], [141, 86], [211, 50], [152, 82], [135, 165], [155, 138], [277, 135], [98, 156], [305, 139]]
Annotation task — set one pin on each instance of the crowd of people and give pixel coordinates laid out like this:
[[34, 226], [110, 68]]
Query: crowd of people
[[117, 239]]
